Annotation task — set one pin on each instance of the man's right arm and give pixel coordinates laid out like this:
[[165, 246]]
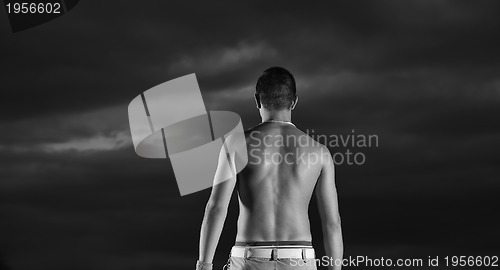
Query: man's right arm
[[326, 194]]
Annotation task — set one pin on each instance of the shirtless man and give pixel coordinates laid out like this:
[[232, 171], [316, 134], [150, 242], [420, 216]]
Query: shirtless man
[[285, 166]]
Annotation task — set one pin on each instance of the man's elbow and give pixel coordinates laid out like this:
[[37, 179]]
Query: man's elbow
[[215, 208], [333, 225]]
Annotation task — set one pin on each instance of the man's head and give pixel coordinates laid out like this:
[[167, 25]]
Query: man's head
[[276, 90]]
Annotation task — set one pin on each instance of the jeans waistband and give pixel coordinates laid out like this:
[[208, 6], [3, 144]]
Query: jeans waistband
[[273, 243], [273, 252]]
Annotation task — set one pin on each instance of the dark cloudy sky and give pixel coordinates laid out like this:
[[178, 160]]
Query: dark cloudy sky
[[422, 75]]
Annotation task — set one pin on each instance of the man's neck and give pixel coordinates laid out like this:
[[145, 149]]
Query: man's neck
[[281, 115]]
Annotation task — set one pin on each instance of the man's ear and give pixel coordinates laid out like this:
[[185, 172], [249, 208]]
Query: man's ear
[[294, 103], [257, 101]]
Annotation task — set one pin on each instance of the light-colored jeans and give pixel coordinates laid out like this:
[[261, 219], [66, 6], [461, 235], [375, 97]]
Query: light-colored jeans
[[236, 263]]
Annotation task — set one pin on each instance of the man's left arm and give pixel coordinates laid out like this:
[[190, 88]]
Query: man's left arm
[[216, 209]]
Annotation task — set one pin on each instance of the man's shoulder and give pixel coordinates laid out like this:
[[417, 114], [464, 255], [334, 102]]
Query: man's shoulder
[[316, 148]]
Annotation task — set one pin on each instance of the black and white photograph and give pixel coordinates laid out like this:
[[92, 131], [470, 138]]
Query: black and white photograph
[[249, 135]]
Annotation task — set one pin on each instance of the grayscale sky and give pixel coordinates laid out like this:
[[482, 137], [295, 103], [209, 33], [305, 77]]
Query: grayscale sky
[[422, 75]]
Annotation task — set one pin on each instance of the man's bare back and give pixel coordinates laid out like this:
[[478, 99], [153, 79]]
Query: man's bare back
[[285, 166], [276, 186]]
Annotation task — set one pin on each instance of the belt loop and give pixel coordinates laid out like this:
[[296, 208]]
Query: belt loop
[[304, 254], [274, 254], [245, 253]]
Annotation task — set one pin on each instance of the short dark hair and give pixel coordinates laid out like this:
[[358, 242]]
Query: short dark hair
[[276, 88]]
